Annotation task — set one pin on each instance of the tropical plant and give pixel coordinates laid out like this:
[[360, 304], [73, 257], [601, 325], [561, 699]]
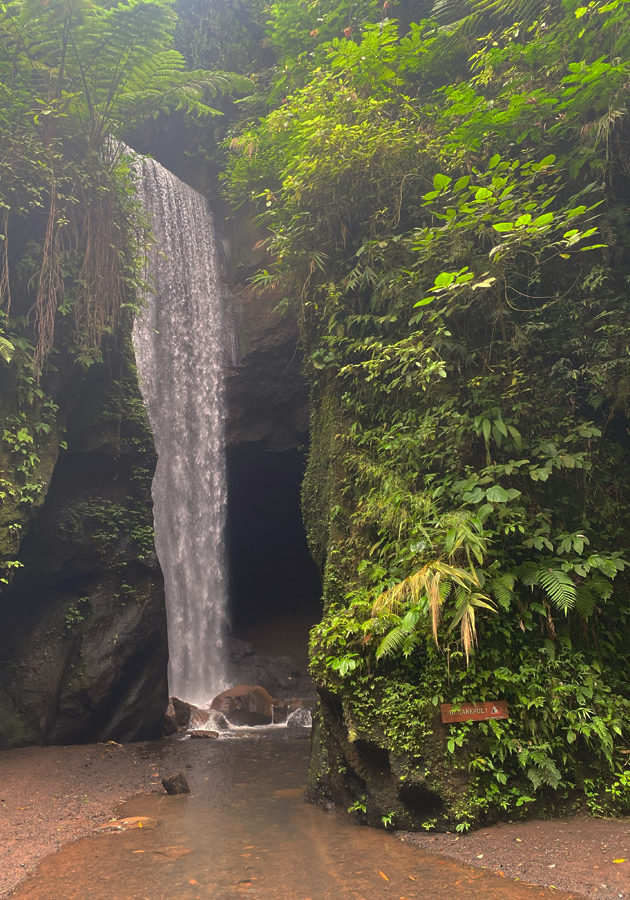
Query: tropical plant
[[446, 209], [75, 76]]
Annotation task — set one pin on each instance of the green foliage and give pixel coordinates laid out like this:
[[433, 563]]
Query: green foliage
[[77, 612], [76, 76], [108, 527], [447, 210]]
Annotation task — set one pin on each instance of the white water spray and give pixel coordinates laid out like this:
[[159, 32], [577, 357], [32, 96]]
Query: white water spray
[[182, 341]]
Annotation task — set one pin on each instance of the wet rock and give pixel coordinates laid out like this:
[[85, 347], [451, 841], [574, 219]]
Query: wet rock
[[204, 734], [177, 716], [182, 711], [280, 713], [176, 784], [300, 718], [126, 824], [267, 395], [170, 725], [245, 704], [83, 647], [282, 709], [277, 675], [199, 718], [216, 721]]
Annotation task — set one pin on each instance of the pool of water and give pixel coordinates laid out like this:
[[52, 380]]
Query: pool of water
[[245, 830]]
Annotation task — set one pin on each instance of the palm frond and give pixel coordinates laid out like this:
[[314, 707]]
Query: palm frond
[[467, 604], [429, 587]]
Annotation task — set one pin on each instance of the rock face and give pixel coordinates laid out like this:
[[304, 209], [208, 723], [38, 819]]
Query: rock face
[[361, 775], [245, 705], [267, 395], [83, 649]]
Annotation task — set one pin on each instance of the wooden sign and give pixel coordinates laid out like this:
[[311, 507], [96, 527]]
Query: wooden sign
[[474, 712]]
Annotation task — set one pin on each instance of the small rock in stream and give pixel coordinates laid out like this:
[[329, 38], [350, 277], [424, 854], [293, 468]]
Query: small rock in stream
[[176, 784], [200, 733]]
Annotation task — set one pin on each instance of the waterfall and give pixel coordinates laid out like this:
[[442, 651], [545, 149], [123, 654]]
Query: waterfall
[[181, 340]]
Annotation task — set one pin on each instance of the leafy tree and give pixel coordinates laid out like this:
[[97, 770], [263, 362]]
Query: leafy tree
[[74, 77]]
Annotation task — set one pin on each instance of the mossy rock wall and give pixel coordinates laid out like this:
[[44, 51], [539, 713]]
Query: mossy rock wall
[[83, 644], [380, 750]]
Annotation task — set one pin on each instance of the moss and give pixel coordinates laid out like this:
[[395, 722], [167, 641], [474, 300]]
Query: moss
[[442, 777], [319, 485]]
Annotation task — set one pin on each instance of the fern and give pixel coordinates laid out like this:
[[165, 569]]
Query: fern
[[502, 588], [558, 587]]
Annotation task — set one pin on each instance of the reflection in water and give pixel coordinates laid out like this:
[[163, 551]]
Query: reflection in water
[[246, 831]]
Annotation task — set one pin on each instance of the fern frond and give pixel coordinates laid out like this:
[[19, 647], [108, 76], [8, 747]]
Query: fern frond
[[6, 349], [556, 584], [559, 588], [393, 642], [502, 588]]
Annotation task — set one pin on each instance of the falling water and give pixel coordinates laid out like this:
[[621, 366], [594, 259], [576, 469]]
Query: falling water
[[181, 340]]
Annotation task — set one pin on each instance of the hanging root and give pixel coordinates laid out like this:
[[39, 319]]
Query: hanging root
[[5, 286], [91, 231], [49, 291], [100, 285]]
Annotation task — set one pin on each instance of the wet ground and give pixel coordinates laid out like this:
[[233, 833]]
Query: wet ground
[[246, 830]]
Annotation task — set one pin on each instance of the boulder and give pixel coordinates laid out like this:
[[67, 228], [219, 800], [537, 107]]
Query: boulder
[[177, 716], [282, 709], [199, 718], [176, 784], [245, 704]]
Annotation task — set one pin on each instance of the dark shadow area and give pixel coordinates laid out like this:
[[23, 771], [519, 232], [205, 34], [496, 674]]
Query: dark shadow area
[[275, 589], [419, 800]]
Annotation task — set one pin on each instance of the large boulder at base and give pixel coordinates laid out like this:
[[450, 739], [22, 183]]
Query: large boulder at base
[[177, 716], [245, 705]]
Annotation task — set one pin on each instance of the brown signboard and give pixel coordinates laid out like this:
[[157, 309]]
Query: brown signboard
[[475, 712]]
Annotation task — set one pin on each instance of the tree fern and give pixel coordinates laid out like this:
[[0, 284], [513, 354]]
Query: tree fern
[[74, 74]]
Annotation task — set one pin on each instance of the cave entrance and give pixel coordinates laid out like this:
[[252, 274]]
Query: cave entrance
[[275, 588]]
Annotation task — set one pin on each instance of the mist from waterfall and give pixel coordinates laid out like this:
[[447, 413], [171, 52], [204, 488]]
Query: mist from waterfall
[[182, 340]]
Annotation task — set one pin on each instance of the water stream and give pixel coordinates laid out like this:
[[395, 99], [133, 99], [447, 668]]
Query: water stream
[[245, 830], [181, 341]]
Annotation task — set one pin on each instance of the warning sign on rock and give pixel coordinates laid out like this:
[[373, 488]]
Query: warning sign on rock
[[475, 712]]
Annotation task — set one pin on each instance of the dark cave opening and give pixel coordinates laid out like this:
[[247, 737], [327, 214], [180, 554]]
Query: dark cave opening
[[275, 588]]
